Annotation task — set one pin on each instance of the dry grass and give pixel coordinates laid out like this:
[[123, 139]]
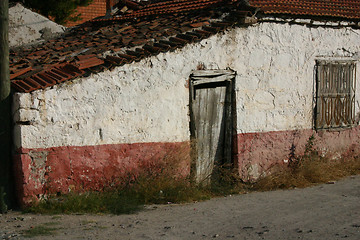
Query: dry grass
[[226, 180], [114, 201], [159, 182], [308, 170]]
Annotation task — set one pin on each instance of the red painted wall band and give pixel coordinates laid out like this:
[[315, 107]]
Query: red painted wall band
[[62, 169]]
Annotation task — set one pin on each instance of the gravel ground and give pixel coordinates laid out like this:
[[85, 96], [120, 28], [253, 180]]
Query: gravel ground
[[330, 211]]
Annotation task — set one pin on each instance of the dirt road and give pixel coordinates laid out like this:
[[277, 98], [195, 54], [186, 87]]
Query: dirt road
[[330, 211]]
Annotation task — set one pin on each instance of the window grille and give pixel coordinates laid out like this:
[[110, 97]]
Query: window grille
[[335, 94]]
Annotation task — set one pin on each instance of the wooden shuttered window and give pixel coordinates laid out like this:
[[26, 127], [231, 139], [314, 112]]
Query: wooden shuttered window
[[335, 94]]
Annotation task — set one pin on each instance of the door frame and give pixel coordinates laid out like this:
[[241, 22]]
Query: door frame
[[211, 79]]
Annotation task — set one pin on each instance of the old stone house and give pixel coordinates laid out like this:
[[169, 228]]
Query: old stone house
[[250, 81]]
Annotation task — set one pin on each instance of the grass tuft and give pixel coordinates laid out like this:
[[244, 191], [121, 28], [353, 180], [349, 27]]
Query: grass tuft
[[311, 171], [41, 230], [307, 170], [114, 201], [129, 199]]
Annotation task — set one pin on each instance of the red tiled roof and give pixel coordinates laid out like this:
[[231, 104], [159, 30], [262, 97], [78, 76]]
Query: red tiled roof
[[154, 28], [331, 8], [95, 9], [168, 7]]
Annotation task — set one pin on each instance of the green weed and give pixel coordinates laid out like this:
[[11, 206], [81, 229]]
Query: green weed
[[115, 202], [41, 230], [124, 200]]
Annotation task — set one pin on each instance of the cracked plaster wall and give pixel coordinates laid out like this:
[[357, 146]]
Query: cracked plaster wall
[[147, 101]]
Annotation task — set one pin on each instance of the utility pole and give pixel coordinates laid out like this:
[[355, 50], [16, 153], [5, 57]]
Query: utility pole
[[5, 111]]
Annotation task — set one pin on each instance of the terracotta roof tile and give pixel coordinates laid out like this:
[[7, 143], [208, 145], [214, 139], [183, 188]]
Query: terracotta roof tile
[[168, 7], [331, 8], [88, 62], [95, 9], [116, 60], [154, 28], [18, 72]]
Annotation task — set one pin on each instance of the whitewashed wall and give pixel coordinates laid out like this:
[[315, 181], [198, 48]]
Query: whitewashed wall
[[25, 26], [275, 65], [148, 101]]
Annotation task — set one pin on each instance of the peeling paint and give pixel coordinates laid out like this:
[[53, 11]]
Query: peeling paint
[[258, 152], [62, 169]]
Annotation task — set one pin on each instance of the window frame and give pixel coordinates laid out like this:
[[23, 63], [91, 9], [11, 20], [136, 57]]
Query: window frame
[[335, 90]]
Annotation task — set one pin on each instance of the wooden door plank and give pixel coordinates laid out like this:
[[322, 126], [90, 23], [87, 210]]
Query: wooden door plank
[[228, 137], [204, 156], [209, 107], [210, 73], [212, 129], [199, 80]]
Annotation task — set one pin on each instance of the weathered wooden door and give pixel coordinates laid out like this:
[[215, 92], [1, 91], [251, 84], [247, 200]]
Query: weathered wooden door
[[211, 121]]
